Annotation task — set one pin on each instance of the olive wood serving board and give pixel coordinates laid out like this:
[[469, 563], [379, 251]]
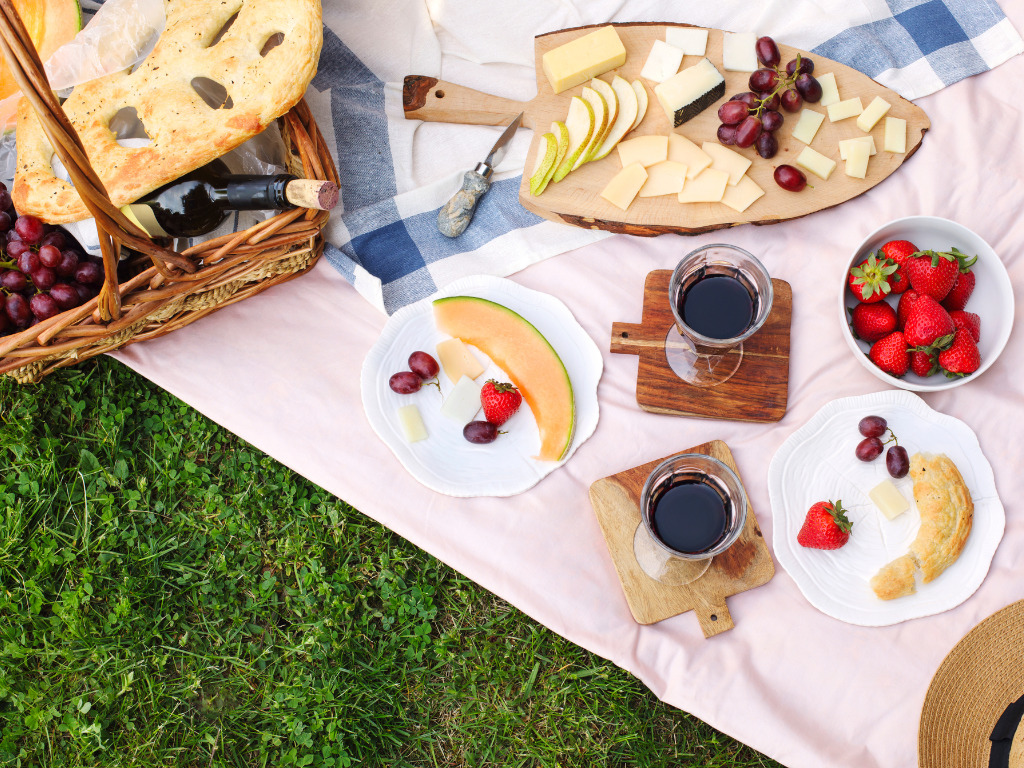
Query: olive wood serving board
[[577, 200], [758, 391], [745, 565]]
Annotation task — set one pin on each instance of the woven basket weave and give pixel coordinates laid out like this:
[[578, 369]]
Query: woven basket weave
[[171, 289]]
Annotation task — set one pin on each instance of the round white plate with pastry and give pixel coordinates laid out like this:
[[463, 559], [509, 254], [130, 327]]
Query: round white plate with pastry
[[923, 561]]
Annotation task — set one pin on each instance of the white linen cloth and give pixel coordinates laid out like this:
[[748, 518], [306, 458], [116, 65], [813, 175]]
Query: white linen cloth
[[282, 371]]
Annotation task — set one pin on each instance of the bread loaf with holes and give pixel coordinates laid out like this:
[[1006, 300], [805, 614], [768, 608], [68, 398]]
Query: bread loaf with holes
[[262, 82]]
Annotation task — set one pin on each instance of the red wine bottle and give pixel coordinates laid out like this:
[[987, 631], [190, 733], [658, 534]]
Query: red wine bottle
[[202, 199]]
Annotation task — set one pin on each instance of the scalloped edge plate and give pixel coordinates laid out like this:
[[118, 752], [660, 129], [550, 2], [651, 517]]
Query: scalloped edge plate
[[817, 463], [445, 462]]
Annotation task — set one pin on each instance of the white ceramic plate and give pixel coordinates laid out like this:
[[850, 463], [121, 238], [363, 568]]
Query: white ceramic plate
[[445, 462], [992, 299], [817, 463]]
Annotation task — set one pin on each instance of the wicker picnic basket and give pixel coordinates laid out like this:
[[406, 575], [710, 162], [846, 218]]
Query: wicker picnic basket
[[170, 289]]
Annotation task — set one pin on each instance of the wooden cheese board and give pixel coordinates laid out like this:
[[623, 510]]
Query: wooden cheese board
[[576, 199], [745, 565]]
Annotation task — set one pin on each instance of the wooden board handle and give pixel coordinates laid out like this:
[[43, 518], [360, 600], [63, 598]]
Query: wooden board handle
[[437, 101], [712, 614], [629, 339]]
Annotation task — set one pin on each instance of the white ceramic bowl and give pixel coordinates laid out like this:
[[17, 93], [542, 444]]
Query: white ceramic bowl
[[992, 299]]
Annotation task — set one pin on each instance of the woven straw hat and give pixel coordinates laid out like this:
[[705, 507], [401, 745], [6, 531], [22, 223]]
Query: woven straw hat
[[973, 690]]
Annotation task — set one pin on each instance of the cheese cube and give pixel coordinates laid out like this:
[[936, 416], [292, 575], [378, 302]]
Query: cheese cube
[[662, 62], [585, 57], [875, 111], [463, 401], [857, 160], [829, 89], [816, 163], [845, 144], [646, 150], [682, 150], [664, 178], [807, 126], [724, 159], [624, 185], [895, 134], [742, 195], [706, 188], [738, 54], [888, 499], [690, 40], [411, 422], [688, 93], [457, 361], [844, 109]]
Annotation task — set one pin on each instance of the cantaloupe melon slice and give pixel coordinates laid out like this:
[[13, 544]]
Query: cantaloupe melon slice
[[50, 24], [522, 352]]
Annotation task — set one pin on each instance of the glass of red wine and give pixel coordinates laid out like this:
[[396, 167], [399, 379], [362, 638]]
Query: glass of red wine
[[720, 296], [692, 507]]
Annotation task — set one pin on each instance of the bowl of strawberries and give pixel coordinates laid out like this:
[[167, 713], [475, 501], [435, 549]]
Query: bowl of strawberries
[[926, 304]]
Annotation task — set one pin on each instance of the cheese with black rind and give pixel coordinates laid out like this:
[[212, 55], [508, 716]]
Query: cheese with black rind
[[688, 93]]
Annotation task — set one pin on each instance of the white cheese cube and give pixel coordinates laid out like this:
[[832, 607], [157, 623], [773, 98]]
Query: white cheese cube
[[664, 178], [724, 159], [857, 160], [829, 89], [742, 195], [888, 499], [895, 134], [662, 62], [411, 422], [690, 40], [807, 126], [845, 144], [844, 109], [624, 185], [682, 150], [457, 361], [816, 163], [688, 93], [463, 401], [875, 111], [646, 150], [706, 188], [738, 54]]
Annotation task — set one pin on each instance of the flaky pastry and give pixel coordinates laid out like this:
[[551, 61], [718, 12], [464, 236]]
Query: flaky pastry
[[262, 83]]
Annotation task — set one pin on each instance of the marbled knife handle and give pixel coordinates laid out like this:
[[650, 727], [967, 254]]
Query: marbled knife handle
[[455, 215]]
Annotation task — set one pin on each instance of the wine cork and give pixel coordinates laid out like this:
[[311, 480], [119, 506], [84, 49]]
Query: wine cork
[[310, 193]]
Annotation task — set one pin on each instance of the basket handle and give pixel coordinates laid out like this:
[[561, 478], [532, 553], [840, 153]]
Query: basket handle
[[113, 227]]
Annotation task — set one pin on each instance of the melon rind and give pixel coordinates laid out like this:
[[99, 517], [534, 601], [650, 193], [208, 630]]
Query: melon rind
[[516, 346]]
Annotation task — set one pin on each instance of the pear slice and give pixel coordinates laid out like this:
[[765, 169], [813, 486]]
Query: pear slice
[[562, 136], [612, 100], [628, 106], [546, 156], [580, 123], [641, 100], [600, 107]]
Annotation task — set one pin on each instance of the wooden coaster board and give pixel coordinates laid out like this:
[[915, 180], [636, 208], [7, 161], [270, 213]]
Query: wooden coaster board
[[745, 565], [758, 391]]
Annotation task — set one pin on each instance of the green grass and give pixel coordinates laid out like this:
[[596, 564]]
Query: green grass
[[170, 596]]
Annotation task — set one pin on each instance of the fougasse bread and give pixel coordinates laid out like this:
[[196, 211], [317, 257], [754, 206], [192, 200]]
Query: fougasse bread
[[263, 81], [947, 514]]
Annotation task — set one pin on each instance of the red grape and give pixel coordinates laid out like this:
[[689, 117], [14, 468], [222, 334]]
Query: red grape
[[771, 121], [43, 306], [792, 100], [732, 112], [14, 280], [764, 80], [423, 365], [790, 178], [806, 66], [85, 292], [30, 229], [869, 449], [480, 432], [28, 262], [49, 256], [767, 145], [89, 273], [18, 310], [767, 51], [6, 222], [727, 134], [897, 461], [872, 426], [769, 101], [68, 264], [44, 278], [747, 97], [15, 248], [65, 295], [809, 88], [748, 131], [56, 238], [405, 383], [5, 198]]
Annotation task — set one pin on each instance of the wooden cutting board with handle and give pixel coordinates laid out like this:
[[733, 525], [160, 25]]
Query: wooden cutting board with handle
[[576, 198]]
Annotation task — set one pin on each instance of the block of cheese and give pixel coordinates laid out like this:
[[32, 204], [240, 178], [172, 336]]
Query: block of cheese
[[742, 195], [895, 134], [845, 144], [724, 159], [807, 126], [857, 160], [457, 361], [816, 163], [888, 499], [844, 109], [585, 57], [829, 89], [646, 150], [624, 185], [662, 62], [706, 188], [664, 178], [463, 401], [682, 150], [688, 93], [411, 422], [875, 111], [690, 40], [738, 54]]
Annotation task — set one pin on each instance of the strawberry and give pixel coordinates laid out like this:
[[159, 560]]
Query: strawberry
[[968, 321], [890, 353], [899, 251], [871, 322], [500, 401], [961, 291], [962, 357], [906, 303], [934, 272], [869, 281], [924, 364], [825, 527], [928, 325]]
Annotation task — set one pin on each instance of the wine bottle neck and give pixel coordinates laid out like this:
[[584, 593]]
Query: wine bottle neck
[[242, 192]]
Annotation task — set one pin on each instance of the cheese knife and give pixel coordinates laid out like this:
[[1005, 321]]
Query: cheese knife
[[455, 215]]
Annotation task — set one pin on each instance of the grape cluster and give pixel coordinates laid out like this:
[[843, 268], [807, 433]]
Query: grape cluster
[[422, 369], [897, 462], [42, 270], [751, 118]]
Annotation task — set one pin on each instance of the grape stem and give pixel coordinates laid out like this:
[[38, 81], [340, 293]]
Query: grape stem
[[785, 81]]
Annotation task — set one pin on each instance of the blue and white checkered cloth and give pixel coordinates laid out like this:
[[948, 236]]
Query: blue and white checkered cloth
[[395, 174]]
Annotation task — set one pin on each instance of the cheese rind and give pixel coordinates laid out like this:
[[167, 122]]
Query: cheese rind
[[690, 40], [844, 109], [742, 195], [874, 112], [888, 499], [585, 57], [724, 159], [829, 89], [662, 62], [624, 185], [664, 178], [706, 188], [463, 401], [857, 160], [845, 144], [816, 163], [411, 422], [807, 126], [646, 150], [457, 361], [688, 93], [738, 54], [682, 150], [895, 135]]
